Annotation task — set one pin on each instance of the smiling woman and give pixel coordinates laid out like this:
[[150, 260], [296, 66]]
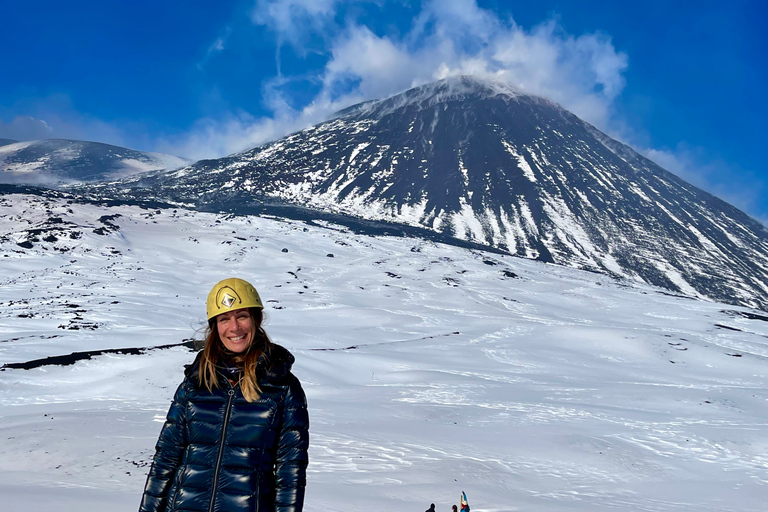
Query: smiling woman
[[236, 435]]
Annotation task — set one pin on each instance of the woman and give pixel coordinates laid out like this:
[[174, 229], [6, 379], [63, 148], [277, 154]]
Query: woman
[[236, 435]]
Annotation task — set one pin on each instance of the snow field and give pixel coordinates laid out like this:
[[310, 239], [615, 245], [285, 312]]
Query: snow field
[[429, 369]]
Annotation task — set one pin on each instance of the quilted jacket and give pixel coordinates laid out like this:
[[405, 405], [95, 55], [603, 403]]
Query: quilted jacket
[[219, 453]]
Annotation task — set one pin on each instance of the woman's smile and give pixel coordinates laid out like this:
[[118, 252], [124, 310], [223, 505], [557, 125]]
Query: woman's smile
[[236, 329]]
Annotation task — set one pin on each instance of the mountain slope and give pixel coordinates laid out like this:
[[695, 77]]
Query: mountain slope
[[55, 161], [485, 163]]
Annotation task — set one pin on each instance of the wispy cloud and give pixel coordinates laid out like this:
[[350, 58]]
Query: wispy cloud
[[25, 128], [217, 46], [450, 37], [234, 132], [582, 73], [294, 21]]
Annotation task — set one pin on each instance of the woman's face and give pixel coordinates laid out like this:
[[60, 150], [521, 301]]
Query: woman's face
[[236, 329]]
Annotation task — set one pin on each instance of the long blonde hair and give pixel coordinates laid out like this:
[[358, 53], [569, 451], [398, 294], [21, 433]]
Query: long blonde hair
[[214, 351]]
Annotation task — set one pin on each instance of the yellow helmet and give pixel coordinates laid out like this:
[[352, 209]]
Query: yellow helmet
[[231, 294]]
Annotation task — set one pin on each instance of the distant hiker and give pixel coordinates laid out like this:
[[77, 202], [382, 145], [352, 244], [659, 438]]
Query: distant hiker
[[431, 508], [464, 504], [236, 435]]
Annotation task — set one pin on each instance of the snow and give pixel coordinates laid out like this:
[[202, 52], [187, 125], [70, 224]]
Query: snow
[[639, 192], [465, 223], [567, 228], [705, 242], [528, 221], [465, 176], [673, 275], [522, 163], [382, 151], [153, 162], [435, 94], [413, 213], [14, 147], [30, 167], [512, 229], [15, 167], [170, 162], [429, 369], [131, 166], [357, 149], [602, 176]]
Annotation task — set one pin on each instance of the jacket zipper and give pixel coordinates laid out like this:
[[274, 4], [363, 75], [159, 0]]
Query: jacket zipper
[[258, 493], [221, 449]]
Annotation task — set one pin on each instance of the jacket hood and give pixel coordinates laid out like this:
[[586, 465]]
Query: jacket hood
[[272, 368]]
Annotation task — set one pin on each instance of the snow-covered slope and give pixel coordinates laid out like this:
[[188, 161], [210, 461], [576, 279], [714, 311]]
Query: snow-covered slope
[[57, 161], [429, 369], [482, 162]]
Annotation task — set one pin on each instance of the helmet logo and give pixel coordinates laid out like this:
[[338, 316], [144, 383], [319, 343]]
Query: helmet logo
[[227, 300]]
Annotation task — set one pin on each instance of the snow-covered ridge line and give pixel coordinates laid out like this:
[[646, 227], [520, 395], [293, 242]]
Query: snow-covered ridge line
[[455, 88]]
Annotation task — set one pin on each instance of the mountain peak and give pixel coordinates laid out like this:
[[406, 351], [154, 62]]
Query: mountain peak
[[464, 86], [454, 88]]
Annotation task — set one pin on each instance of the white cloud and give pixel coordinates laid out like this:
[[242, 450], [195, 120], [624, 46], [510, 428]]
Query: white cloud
[[294, 20], [379, 65], [583, 73], [448, 37], [216, 47], [219, 137]]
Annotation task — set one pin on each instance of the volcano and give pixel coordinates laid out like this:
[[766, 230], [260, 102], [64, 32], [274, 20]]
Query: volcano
[[483, 162]]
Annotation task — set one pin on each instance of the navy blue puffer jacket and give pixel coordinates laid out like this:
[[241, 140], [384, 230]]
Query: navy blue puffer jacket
[[219, 453]]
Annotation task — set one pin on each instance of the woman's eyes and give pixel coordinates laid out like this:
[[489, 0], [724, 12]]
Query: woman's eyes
[[239, 318]]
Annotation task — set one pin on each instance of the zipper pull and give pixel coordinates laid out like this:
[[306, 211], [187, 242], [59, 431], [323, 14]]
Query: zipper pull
[[231, 392]]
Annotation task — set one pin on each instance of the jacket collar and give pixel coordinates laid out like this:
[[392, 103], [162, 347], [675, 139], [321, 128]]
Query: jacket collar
[[272, 368]]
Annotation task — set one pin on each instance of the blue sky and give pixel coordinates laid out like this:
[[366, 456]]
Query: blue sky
[[683, 82]]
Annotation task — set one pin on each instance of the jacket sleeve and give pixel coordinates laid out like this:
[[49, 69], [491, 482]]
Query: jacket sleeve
[[168, 454], [292, 445]]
